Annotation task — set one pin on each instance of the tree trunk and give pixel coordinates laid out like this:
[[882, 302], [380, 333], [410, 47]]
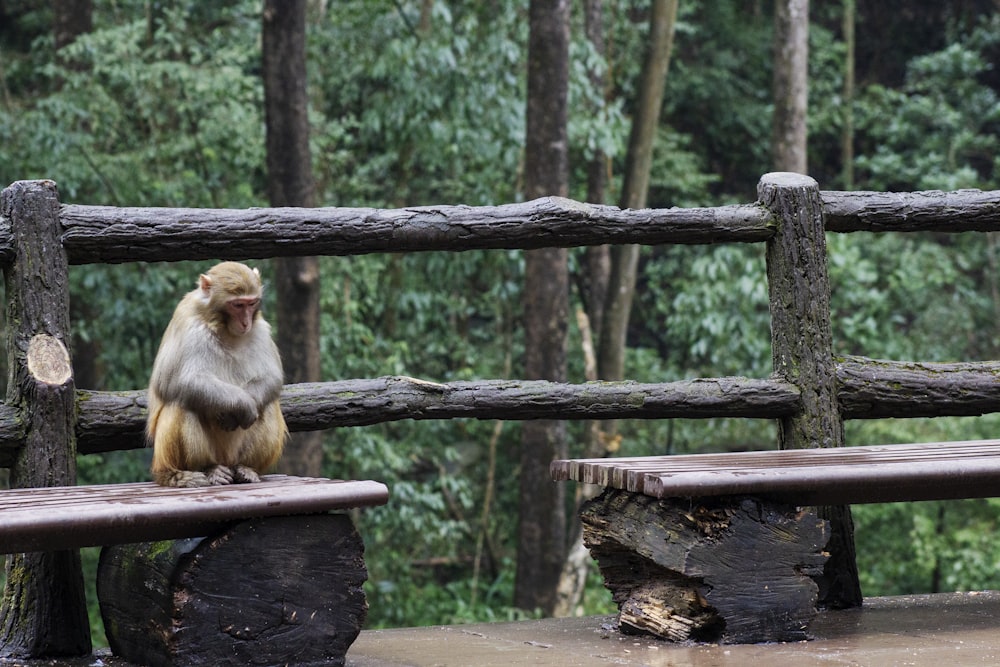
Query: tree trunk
[[290, 183], [620, 262], [625, 258], [847, 133], [542, 531], [70, 19], [597, 266], [791, 84], [44, 611]]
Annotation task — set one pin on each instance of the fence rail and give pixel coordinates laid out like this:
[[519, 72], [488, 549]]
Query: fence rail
[[865, 388]]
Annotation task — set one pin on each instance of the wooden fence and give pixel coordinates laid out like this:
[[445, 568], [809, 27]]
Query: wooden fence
[[810, 392], [865, 388]]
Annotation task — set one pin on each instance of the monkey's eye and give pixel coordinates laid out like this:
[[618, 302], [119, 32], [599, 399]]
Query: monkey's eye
[[244, 304]]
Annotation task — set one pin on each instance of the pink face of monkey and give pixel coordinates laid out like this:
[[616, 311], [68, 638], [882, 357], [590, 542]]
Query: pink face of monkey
[[232, 294], [240, 313]]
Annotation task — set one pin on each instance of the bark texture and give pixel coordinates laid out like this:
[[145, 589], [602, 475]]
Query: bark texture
[[43, 613], [264, 592], [926, 211], [112, 421], [678, 569], [802, 352], [95, 234], [290, 183], [866, 389], [542, 521], [113, 235], [791, 85]]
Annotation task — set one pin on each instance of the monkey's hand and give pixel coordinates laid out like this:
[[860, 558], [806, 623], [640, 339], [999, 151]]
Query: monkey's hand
[[242, 414]]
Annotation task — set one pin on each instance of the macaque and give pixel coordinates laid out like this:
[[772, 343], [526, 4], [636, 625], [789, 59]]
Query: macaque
[[214, 416]]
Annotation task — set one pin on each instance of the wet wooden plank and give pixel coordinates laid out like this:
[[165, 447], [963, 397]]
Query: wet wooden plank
[[68, 517], [884, 473]]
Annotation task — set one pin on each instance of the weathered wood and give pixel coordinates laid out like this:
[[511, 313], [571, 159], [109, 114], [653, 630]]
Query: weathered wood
[[100, 514], [273, 591], [731, 570], [875, 389], [928, 211], [114, 235], [802, 351], [840, 475], [43, 612], [866, 389], [115, 420], [360, 402]]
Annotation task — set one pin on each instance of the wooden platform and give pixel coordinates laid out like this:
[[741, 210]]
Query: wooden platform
[[917, 630], [45, 519], [956, 629], [886, 473]]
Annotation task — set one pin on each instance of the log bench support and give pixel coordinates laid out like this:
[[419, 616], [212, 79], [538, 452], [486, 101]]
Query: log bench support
[[727, 570], [274, 591]]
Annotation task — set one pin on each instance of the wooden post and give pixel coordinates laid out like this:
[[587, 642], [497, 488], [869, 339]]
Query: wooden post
[[44, 611], [802, 352], [273, 591]]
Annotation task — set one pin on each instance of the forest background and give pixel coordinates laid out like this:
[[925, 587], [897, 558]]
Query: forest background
[[422, 102]]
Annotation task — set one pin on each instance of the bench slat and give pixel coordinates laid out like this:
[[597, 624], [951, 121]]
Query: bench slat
[[846, 475], [69, 517]]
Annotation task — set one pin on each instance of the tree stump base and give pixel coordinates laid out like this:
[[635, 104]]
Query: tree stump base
[[734, 570], [285, 590]]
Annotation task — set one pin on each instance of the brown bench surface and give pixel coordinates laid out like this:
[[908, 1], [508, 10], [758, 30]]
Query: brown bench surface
[[68, 517], [843, 475]]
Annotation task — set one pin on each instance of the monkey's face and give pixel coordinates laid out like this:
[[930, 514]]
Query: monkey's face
[[240, 312]]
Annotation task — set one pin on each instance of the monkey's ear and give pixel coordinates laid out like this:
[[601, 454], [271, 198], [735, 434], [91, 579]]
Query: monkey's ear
[[256, 272], [205, 283]]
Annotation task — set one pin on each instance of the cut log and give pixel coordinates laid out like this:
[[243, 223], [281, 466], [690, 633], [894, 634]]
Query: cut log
[[269, 591], [728, 570]]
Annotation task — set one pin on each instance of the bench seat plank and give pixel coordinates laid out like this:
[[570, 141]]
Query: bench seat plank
[[844, 475], [69, 517]]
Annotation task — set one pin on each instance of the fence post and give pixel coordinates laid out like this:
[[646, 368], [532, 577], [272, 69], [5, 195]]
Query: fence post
[[44, 611], [802, 352]]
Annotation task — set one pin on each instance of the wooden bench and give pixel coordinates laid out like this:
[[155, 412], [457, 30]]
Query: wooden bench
[[71, 517], [842, 475], [717, 547], [257, 573]]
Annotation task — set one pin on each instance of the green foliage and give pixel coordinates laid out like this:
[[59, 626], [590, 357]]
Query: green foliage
[[939, 130], [410, 108], [150, 117], [928, 547], [719, 92], [419, 113]]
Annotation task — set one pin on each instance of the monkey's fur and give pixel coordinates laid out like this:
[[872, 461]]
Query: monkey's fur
[[214, 416]]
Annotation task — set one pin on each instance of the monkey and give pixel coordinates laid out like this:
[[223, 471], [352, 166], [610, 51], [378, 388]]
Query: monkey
[[214, 416]]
